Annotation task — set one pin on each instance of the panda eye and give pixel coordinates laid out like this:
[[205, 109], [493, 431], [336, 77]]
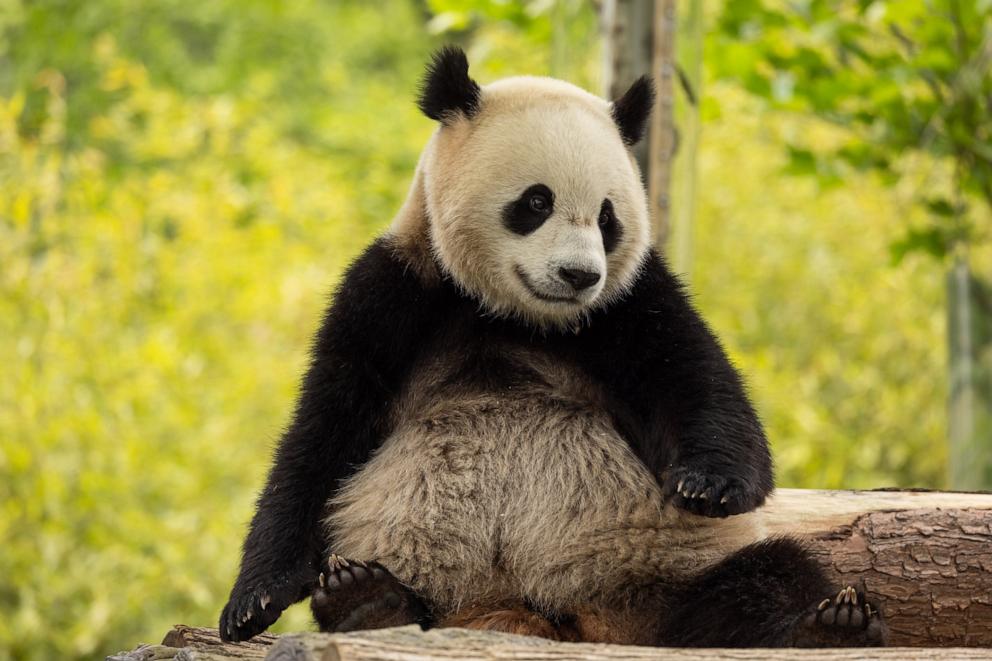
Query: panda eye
[[609, 226], [538, 203], [529, 211]]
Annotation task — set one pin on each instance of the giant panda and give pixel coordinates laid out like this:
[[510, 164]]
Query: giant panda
[[514, 419]]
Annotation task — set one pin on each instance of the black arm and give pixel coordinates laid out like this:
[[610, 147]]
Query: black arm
[[677, 399], [360, 357]]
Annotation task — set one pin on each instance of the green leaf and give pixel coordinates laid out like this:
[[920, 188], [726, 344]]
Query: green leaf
[[931, 241], [940, 207]]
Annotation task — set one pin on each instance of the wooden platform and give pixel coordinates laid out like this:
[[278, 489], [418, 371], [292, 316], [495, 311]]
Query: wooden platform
[[925, 556]]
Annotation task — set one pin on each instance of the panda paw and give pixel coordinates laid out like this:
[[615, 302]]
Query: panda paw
[[846, 620], [707, 494], [252, 608], [352, 595]]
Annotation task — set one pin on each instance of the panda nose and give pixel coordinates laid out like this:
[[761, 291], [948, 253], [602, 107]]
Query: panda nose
[[578, 278]]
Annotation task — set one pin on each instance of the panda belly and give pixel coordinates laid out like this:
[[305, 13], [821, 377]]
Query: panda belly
[[529, 493]]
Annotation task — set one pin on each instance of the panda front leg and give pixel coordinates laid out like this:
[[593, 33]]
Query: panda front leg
[[681, 404], [770, 594], [354, 595]]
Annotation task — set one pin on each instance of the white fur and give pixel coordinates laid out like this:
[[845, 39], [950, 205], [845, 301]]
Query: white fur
[[485, 498], [559, 243]]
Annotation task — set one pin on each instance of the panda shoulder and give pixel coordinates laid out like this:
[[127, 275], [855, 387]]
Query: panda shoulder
[[382, 289]]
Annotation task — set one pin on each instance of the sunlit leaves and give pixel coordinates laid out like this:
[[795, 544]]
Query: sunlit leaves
[[556, 37], [901, 76], [167, 244], [844, 354]]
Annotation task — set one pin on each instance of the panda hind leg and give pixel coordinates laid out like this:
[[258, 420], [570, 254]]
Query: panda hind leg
[[354, 595], [770, 594]]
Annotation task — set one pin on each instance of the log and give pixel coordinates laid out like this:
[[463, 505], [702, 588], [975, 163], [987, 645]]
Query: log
[[926, 557], [185, 643], [412, 644]]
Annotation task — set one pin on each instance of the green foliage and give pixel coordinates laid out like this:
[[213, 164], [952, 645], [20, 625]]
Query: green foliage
[[167, 247], [551, 37], [844, 352], [900, 77], [182, 182]]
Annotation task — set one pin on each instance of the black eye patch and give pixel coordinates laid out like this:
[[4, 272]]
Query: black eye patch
[[609, 226], [529, 211]]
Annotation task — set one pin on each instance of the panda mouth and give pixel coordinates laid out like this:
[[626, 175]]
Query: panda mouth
[[536, 293]]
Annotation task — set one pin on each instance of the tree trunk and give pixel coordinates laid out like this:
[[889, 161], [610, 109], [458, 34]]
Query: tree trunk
[[687, 132], [969, 333], [926, 557], [661, 135], [638, 39]]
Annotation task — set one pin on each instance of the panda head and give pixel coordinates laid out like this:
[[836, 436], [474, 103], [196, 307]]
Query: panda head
[[533, 200]]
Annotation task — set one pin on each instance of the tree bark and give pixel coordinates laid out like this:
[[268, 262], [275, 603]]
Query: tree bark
[[638, 39], [969, 335], [412, 644], [661, 135], [687, 129], [926, 557]]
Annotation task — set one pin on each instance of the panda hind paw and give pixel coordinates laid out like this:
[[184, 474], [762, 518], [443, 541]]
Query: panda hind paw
[[351, 595], [848, 619]]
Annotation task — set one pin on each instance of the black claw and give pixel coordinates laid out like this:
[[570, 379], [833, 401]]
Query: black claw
[[707, 494]]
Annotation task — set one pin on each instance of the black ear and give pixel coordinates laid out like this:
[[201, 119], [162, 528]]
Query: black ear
[[446, 88], [631, 111]]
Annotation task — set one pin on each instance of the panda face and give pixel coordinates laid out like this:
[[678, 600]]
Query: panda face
[[535, 204], [566, 262]]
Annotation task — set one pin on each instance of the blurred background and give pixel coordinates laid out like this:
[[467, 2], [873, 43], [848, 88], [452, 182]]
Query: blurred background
[[182, 183]]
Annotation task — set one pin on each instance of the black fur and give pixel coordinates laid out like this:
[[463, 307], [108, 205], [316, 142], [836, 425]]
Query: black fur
[[360, 359], [676, 397], [765, 595], [671, 390], [362, 596], [521, 218], [447, 88], [754, 598], [631, 111], [609, 226]]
